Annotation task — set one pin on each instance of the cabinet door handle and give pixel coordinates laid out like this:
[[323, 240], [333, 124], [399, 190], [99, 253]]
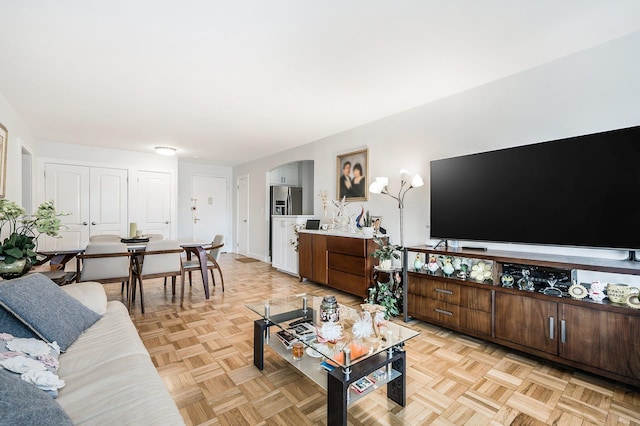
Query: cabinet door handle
[[552, 334], [442, 311], [563, 332], [439, 290]]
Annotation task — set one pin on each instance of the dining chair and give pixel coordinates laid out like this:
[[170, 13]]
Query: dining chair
[[106, 262], [159, 259], [104, 238], [213, 255]]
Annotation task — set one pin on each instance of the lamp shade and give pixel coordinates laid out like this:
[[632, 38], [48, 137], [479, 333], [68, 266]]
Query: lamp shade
[[376, 187], [404, 175], [383, 181], [417, 181]]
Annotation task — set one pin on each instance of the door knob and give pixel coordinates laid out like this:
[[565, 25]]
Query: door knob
[[166, 222], [85, 223], [245, 220], [93, 223]]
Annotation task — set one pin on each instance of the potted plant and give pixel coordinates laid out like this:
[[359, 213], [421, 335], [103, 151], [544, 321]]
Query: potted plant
[[17, 251], [385, 253], [367, 225]]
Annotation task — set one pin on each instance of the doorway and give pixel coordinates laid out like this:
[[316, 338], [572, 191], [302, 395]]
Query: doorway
[[27, 183], [242, 244], [209, 207]]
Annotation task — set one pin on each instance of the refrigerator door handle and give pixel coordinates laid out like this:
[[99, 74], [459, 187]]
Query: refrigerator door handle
[[289, 207]]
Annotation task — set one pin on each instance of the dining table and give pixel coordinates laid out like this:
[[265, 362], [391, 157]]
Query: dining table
[[191, 246]]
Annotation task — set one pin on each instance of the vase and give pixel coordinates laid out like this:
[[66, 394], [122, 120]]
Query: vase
[[368, 231], [16, 269], [385, 264]]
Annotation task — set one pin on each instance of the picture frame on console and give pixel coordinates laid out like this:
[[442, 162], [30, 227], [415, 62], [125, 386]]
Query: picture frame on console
[[4, 134], [351, 175], [376, 221]]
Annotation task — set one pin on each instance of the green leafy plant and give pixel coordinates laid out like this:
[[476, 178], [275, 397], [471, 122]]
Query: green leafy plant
[[24, 231], [388, 294], [385, 251]]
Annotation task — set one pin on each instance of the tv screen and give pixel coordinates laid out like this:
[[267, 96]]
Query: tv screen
[[579, 191]]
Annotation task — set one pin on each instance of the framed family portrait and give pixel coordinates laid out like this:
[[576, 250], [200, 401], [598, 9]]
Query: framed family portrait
[[351, 179], [3, 160]]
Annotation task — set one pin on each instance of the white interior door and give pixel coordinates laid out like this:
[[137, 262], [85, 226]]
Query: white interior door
[[243, 215], [154, 203], [68, 186], [108, 201], [209, 197]]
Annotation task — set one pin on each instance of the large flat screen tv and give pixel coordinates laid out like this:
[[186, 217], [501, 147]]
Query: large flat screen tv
[[580, 191]]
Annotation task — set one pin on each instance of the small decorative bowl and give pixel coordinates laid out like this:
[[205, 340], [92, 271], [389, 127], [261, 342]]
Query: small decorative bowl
[[633, 301]]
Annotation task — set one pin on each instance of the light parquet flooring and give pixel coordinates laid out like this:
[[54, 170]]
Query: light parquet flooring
[[204, 353]]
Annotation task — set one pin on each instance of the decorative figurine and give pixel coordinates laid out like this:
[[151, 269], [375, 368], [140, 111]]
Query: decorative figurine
[[464, 269], [417, 264], [433, 266], [507, 280], [457, 263], [447, 267], [526, 283], [596, 293]]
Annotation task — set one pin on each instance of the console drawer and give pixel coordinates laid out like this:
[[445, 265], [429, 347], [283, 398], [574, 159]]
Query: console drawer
[[349, 264], [350, 283], [346, 245], [449, 315], [457, 294]]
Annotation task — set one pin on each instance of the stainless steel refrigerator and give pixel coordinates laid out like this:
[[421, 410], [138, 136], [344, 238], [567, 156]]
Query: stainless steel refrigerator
[[286, 200]]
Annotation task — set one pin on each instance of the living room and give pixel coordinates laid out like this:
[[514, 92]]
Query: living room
[[586, 88]]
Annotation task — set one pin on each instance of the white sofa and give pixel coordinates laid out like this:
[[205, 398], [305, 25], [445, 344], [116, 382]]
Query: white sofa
[[108, 373]]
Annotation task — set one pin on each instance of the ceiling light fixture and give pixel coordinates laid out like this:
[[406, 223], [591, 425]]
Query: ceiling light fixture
[[165, 150]]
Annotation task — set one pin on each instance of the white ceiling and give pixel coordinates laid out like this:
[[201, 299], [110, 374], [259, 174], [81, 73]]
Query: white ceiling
[[231, 81]]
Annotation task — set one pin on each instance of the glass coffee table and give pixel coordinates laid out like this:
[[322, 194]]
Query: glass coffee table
[[365, 354]]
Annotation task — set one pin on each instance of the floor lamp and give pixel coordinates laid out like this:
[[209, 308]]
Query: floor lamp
[[379, 186]]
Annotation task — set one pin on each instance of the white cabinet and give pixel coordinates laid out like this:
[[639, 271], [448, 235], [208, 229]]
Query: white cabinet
[[284, 255], [286, 175]]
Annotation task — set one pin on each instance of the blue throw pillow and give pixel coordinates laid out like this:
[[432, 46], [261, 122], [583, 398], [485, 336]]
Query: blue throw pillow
[[12, 325], [46, 309], [24, 404]]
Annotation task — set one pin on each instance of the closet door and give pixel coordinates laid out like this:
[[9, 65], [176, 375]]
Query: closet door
[[108, 200], [153, 215], [68, 186], [94, 198]]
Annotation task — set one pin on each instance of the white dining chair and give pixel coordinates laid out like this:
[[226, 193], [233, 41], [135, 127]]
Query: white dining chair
[[159, 259], [106, 262]]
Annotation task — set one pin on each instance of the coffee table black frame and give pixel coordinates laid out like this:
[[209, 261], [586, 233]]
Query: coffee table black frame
[[338, 381]]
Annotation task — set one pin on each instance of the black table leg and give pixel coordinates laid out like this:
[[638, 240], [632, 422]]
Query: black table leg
[[260, 329], [337, 391], [396, 388]]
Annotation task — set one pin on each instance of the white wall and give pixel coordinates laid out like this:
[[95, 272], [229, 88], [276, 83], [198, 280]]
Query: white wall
[[593, 90], [186, 171], [19, 136]]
